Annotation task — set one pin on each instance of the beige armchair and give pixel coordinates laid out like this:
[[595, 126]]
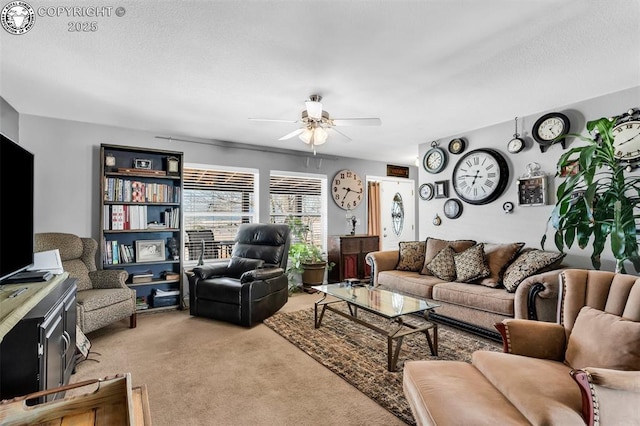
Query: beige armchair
[[103, 297], [595, 343]]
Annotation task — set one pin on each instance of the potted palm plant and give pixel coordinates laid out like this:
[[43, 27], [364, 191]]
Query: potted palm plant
[[596, 202], [306, 260]]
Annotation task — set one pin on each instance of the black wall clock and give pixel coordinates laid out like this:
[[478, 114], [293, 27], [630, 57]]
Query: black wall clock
[[435, 159], [480, 176], [549, 127], [457, 145], [452, 208]]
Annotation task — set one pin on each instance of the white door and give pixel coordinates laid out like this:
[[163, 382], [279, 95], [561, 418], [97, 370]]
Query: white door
[[397, 212]]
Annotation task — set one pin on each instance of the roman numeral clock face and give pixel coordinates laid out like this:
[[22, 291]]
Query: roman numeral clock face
[[480, 176]]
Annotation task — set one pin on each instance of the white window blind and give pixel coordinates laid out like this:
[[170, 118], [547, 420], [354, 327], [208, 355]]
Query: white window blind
[[303, 197], [215, 202]]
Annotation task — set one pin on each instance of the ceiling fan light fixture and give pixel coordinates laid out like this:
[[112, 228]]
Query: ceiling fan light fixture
[[319, 136], [306, 135], [314, 109]]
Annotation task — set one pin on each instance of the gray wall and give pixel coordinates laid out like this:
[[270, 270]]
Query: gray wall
[[9, 120], [527, 224], [67, 170]]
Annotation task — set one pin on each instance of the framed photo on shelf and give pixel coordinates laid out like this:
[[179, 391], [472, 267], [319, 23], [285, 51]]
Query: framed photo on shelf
[[150, 250], [141, 163], [442, 188]]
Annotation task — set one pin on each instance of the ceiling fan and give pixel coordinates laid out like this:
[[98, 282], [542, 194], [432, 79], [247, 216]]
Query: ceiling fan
[[316, 123]]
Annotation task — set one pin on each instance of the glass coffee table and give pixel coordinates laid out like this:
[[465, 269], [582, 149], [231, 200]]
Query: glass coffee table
[[386, 304]]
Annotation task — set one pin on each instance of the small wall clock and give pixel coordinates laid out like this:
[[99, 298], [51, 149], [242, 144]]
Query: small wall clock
[[347, 189], [426, 191], [457, 145], [435, 160], [532, 191], [550, 127], [452, 208], [480, 176]]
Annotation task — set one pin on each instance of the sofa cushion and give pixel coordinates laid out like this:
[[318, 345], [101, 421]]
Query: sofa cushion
[[408, 282], [529, 263], [603, 340], [443, 265], [434, 245], [498, 257], [542, 390], [470, 264], [436, 389], [478, 297], [411, 255]]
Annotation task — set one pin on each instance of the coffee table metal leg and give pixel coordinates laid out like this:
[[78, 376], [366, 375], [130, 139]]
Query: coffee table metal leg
[[318, 320], [392, 355], [433, 345]]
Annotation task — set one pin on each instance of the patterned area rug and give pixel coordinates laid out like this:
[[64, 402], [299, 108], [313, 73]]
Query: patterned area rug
[[359, 355]]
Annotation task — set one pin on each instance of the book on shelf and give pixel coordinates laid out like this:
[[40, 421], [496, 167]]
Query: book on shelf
[[170, 275], [141, 278], [141, 303]]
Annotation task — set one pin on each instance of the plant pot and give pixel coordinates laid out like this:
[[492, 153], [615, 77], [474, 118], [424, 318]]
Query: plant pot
[[313, 274]]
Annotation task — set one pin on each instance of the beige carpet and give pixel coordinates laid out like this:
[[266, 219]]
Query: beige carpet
[[205, 372], [359, 355]]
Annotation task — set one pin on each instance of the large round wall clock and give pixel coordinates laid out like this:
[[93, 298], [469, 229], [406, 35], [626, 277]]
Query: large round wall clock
[[480, 176], [626, 140], [347, 189], [550, 127], [435, 159]]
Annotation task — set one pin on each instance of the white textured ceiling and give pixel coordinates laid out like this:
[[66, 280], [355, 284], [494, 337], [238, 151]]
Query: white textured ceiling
[[427, 69]]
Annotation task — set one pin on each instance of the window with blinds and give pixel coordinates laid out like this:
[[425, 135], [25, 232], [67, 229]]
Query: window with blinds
[[215, 202], [303, 197]]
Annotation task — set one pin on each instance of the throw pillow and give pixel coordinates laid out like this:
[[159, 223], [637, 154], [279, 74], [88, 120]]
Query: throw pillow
[[498, 257], [470, 264], [442, 265], [411, 256], [527, 264], [435, 245], [603, 340], [239, 265]]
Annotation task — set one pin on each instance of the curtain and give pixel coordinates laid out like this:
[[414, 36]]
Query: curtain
[[373, 209]]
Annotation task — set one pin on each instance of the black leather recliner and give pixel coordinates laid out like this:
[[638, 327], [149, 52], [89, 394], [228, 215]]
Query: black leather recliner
[[249, 287]]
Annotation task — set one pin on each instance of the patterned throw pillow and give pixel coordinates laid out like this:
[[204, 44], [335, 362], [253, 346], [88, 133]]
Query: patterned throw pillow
[[499, 257], [411, 256], [443, 265], [470, 264], [527, 264], [435, 245]]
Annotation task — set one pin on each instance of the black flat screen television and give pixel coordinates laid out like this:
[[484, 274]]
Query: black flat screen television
[[16, 208]]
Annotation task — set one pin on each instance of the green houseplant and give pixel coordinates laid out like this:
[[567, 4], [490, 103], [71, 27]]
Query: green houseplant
[[596, 202], [306, 260]]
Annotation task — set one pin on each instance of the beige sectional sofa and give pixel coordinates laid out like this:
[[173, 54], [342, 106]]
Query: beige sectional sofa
[[477, 290]]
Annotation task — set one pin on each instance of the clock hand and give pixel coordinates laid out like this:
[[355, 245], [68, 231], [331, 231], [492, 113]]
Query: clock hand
[[629, 140], [347, 193]]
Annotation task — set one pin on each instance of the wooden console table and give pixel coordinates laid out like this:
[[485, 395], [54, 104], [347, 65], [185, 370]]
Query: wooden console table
[[348, 252]]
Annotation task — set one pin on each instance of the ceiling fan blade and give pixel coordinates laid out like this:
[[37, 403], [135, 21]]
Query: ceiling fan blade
[[273, 120], [292, 134], [356, 121], [340, 133]]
